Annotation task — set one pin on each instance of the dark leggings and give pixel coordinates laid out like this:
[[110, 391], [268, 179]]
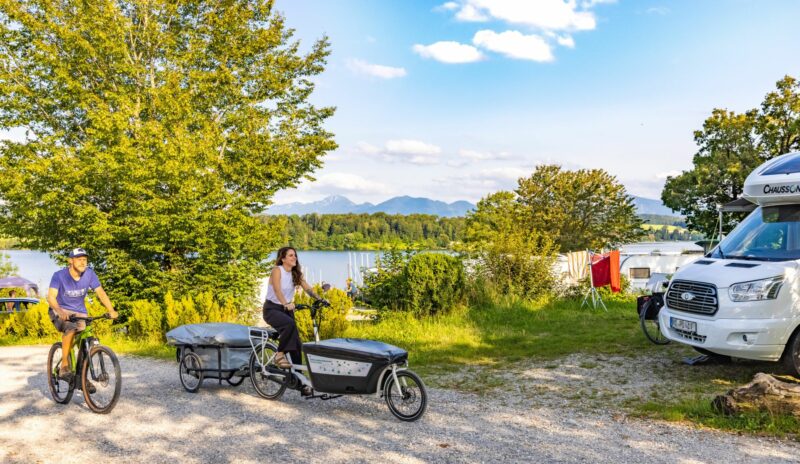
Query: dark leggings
[[283, 321]]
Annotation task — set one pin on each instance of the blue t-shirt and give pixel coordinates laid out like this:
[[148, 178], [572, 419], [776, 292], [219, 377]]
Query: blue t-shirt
[[71, 292]]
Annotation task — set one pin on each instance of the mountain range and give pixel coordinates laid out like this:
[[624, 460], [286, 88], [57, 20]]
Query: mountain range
[[338, 204]]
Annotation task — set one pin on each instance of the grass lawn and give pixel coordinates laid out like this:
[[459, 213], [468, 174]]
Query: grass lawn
[[500, 334]]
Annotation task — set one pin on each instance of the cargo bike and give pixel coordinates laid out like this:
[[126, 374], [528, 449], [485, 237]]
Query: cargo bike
[[339, 366]]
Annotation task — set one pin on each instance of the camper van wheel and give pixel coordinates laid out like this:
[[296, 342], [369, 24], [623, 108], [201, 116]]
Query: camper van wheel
[[190, 372], [791, 355]]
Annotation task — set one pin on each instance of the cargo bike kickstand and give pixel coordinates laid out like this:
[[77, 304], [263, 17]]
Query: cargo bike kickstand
[[337, 367]]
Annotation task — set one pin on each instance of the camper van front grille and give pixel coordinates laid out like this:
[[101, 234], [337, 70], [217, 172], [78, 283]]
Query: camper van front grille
[[692, 297]]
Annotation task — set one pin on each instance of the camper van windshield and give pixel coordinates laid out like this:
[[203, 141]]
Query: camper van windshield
[[768, 234]]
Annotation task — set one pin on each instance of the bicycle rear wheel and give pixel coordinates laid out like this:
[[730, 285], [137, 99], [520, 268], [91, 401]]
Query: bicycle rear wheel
[[60, 390], [101, 380], [267, 386]]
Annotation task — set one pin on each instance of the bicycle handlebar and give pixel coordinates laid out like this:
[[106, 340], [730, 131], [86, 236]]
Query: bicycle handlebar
[[74, 318], [315, 305]]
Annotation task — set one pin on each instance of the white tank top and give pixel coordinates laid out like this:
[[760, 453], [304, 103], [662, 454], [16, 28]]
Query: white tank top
[[287, 288]]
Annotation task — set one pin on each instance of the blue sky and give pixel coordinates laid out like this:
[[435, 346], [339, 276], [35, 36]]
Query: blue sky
[[457, 99]]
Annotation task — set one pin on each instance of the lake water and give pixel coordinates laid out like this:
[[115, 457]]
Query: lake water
[[319, 266]]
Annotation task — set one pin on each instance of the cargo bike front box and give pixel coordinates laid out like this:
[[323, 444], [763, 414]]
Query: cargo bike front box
[[211, 351], [346, 365]]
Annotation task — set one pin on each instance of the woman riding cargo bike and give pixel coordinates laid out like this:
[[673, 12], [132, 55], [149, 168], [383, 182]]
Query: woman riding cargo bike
[[335, 367]]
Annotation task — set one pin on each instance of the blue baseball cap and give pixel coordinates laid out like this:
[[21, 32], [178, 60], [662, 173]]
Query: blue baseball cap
[[77, 253]]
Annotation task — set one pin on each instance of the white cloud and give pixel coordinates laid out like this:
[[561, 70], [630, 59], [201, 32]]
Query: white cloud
[[355, 187], [590, 3], [658, 10], [403, 150], [483, 155], [475, 186], [375, 70], [449, 52], [367, 149], [448, 6], [514, 44], [554, 15], [469, 13], [566, 41], [411, 147], [342, 183]]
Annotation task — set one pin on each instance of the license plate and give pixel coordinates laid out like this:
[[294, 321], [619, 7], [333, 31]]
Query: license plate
[[680, 324]]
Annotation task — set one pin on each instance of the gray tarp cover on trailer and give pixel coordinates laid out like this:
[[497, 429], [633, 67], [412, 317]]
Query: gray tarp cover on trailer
[[212, 333], [233, 340]]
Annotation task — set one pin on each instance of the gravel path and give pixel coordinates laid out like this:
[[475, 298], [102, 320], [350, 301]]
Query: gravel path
[[156, 421]]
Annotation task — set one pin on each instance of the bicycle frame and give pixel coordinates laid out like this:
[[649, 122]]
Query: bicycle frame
[[83, 343]]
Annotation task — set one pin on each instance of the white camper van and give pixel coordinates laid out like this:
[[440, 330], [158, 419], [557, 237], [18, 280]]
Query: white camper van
[[743, 298]]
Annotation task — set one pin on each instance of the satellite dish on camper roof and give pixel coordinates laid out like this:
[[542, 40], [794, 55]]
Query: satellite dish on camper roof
[[776, 182]]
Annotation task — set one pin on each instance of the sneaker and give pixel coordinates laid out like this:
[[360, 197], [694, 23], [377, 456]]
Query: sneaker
[[65, 374]]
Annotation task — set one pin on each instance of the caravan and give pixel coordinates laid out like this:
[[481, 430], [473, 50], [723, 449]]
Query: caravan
[[743, 298]]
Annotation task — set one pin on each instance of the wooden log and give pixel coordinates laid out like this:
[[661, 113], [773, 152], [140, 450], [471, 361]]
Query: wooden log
[[776, 394]]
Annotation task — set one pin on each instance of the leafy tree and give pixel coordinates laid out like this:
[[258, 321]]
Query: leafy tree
[[581, 209], [732, 145], [7, 268], [156, 132], [509, 257]]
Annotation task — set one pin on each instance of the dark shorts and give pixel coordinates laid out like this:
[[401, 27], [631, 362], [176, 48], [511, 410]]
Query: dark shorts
[[66, 326]]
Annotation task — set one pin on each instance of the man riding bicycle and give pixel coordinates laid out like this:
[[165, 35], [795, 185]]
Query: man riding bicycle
[[66, 297]]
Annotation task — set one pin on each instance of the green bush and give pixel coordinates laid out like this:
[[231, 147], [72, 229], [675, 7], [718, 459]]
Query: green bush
[[334, 319], [146, 321], [386, 288], [35, 322], [433, 283], [518, 265]]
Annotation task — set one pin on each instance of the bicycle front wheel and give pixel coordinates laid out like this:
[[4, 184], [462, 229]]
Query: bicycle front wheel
[[60, 390], [408, 401], [101, 380]]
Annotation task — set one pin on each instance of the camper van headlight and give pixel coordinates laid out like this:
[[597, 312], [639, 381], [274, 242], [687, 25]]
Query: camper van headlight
[[766, 289]]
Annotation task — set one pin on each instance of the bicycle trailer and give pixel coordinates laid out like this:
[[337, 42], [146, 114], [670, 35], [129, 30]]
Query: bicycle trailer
[[216, 350]]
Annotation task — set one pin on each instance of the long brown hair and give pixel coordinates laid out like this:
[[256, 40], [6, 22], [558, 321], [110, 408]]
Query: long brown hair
[[297, 273]]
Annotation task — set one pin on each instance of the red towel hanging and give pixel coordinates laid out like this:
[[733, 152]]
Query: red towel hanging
[[601, 270]]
